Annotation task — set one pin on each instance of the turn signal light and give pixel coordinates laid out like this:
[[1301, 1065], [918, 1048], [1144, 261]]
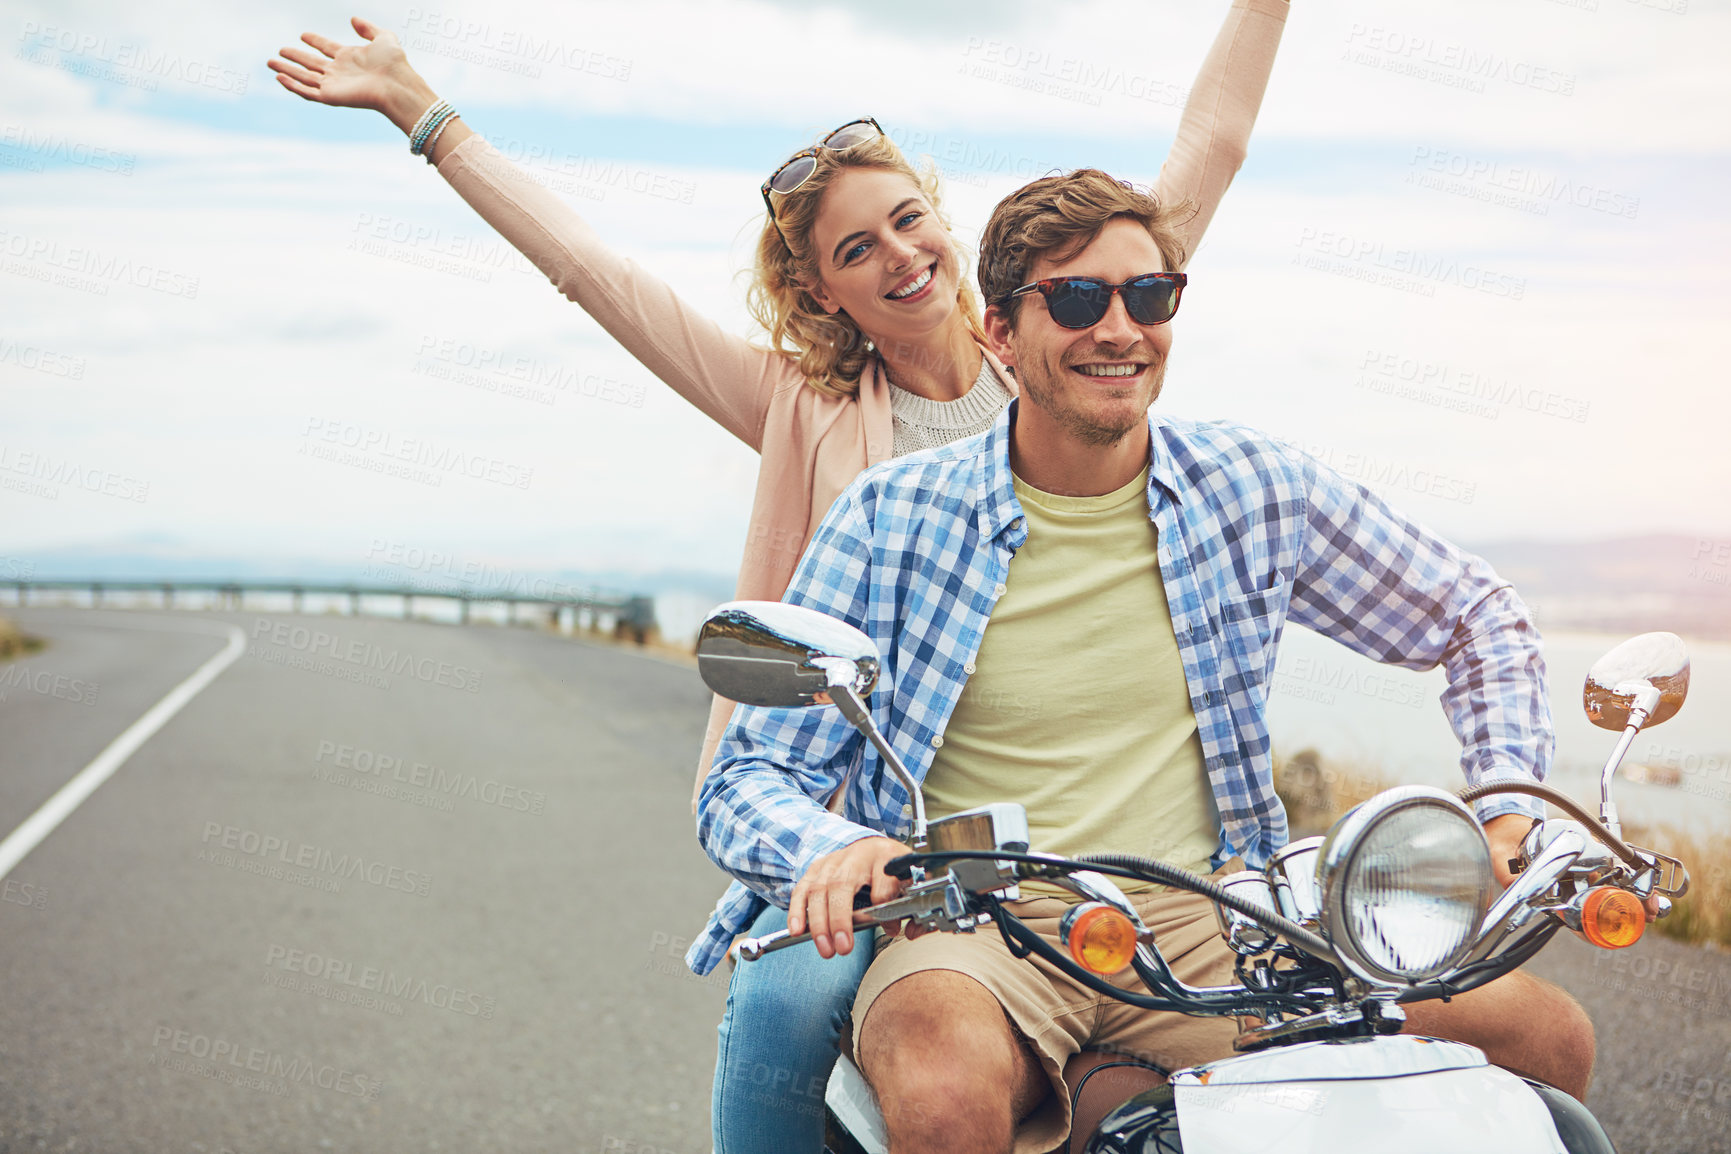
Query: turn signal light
[[1099, 937], [1613, 918]]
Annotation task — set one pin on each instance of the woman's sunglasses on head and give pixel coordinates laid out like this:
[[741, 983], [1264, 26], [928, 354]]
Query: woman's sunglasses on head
[[1080, 302], [799, 167]]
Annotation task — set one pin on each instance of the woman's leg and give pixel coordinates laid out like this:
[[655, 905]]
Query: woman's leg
[[778, 1043]]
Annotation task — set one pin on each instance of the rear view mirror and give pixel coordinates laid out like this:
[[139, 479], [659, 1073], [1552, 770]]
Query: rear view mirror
[[1630, 677], [782, 656]]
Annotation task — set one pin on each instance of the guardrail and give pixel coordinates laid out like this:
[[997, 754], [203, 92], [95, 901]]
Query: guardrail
[[632, 616]]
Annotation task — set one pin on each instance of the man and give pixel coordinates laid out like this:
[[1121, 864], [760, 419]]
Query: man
[[1079, 611]]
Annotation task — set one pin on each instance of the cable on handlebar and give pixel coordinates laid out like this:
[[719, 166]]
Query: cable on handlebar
[[1565, 803], [1159, 871], [1137, 869], [1486, 970], [1249, 1002]]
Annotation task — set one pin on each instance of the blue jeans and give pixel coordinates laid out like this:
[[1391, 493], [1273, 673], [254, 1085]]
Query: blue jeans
[[777, 1044]]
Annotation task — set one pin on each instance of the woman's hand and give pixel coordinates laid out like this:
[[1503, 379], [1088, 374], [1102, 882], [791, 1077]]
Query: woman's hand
[[366, 75]]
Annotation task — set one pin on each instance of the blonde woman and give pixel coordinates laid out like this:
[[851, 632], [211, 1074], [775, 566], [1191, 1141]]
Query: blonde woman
[[874, 349]]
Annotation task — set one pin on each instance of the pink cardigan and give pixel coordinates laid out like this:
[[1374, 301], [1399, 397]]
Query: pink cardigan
[[813, 445]]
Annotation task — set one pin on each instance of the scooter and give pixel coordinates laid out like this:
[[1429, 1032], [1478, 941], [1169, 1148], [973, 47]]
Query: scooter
[[1396, 904]]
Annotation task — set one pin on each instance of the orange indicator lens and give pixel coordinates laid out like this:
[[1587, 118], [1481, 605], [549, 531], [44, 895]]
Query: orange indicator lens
[[1613, 918], [1100, 938]]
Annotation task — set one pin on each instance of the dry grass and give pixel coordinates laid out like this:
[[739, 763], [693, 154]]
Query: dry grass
[[1704, 913], [14, 642], [1316, 795]]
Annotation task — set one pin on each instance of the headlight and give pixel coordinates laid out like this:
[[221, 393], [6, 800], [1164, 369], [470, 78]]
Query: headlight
[[1405, 880]]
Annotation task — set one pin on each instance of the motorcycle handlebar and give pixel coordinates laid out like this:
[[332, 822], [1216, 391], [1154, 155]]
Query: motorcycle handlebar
[[1139, 869]]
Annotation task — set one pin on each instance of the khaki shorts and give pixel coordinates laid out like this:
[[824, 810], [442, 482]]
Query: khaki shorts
[[1056, 1016]]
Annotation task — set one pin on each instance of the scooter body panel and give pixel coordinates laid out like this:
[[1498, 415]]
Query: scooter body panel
[[1416, 1095]]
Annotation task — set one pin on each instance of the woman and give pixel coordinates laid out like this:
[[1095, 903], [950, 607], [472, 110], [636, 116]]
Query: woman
[[875, 350]]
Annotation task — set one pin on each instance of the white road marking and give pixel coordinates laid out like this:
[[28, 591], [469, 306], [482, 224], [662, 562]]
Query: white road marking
[[71, 795]]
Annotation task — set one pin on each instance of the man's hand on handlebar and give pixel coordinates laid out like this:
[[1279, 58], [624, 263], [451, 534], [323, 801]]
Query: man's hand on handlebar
[[823, 899], [1506, 833]]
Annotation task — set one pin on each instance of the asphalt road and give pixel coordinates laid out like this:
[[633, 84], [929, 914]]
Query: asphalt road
[[514, 945], [443, 907]]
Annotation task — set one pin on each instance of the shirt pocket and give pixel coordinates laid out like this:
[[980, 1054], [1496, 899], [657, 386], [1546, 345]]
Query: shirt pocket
[[1249, 621]]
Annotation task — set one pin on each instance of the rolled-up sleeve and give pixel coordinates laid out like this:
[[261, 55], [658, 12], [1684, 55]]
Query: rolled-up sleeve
[[1391, 590]]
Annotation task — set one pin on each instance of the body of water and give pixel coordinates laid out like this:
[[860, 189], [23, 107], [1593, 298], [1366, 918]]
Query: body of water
[[1361, 715]]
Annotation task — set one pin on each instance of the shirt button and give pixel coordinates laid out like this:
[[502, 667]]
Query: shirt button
[[907, 810], [937, 741], [1016, 524], [998, 589], [968, 668]]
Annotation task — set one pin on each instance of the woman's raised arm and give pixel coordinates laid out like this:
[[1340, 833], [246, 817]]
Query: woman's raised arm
[[1214, 132], [721, 373]]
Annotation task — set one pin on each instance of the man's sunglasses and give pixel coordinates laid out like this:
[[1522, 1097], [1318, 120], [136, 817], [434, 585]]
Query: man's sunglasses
[[1079, 302], [799, 167]]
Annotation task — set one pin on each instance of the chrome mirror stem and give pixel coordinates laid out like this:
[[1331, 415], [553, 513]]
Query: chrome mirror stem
[[1644, 700], [841, 693]]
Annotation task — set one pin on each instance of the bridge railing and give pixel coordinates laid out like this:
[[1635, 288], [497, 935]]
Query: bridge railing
[[632, 615]]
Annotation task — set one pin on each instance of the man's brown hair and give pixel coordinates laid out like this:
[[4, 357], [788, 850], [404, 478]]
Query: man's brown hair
[[1057, 217]]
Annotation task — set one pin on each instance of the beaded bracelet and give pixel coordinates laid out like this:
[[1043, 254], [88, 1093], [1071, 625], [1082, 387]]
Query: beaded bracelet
[[427, 148], [430, 119]]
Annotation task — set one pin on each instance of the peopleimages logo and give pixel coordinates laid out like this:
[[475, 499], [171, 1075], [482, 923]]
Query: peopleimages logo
[[364, 655], [374, 980], [227, 844], [226, 1061]]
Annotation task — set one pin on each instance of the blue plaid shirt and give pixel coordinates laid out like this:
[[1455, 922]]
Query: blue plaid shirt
[[1252, 533]]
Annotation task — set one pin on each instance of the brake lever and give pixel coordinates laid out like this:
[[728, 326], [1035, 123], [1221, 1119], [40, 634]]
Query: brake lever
[[894, 910], [1671, 877]]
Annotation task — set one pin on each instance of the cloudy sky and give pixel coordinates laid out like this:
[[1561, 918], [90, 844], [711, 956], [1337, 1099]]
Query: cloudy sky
[[1477, 256]]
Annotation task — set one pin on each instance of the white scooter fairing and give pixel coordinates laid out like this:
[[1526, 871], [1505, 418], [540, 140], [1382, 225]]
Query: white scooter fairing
[[1412, 1094]]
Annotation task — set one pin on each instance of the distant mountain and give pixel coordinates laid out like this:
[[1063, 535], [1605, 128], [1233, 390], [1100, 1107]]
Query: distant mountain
[[1624, 584]]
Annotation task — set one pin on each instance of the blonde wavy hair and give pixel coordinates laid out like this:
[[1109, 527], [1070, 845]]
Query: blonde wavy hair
[[830, 349]]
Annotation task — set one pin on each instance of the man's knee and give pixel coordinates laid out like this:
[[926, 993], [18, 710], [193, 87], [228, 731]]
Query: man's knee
[[940, 1053], [1521, 1022], [930, 1018]]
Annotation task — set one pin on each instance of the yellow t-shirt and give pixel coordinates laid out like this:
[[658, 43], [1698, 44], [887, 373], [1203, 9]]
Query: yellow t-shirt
[[1077, 706]]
